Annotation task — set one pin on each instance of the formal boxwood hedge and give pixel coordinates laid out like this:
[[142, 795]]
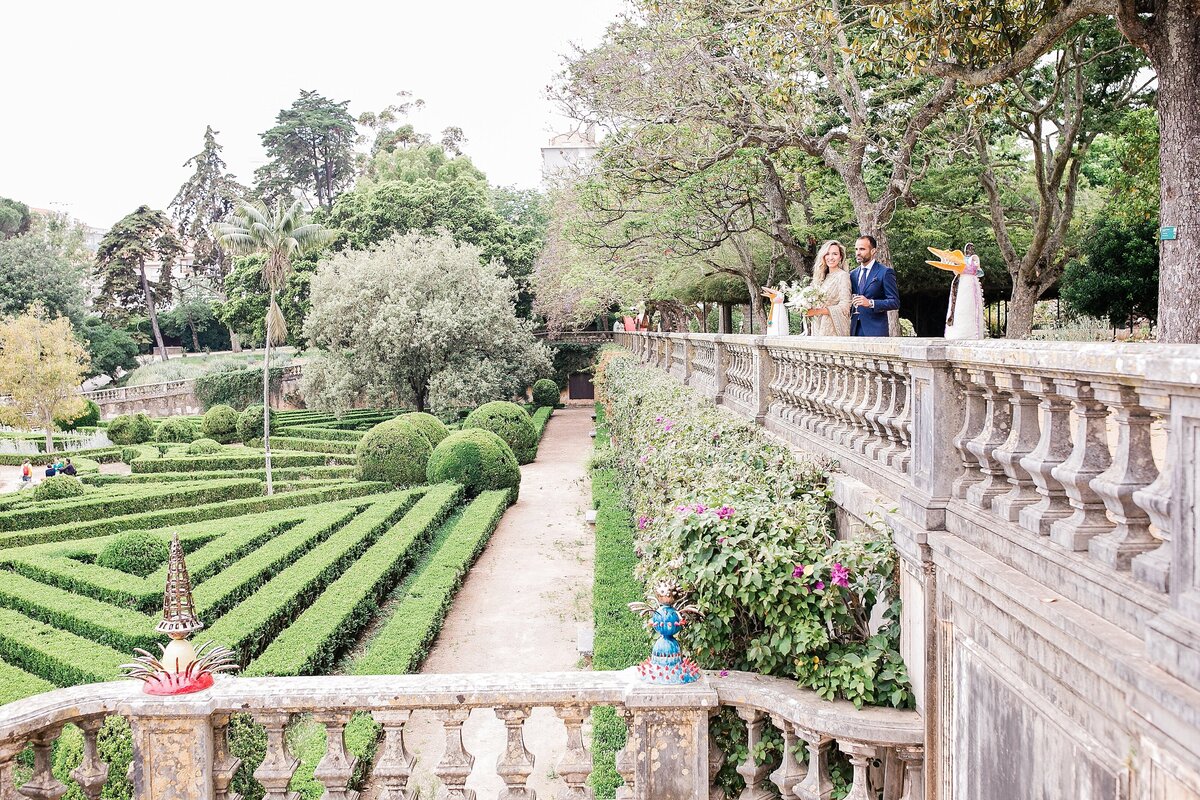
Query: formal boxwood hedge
[[175, 430], [479, 460], [403, 640], [137, 552], [316, 432], [102, 455], [101, 622], [434, 429], [205, 447], [394, 451], [58, 487], [16, 684], [312, 445], [511, 423], [239, 458], [56, 655], [321, 472], [312, 643], [220, 424], [87, 417], [250, 423], [545, 393], [130, 429], [540, 419]]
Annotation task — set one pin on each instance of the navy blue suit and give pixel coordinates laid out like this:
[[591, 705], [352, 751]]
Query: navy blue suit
[[880, 287]]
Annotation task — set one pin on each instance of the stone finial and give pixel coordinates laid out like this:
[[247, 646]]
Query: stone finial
[[179, 610]]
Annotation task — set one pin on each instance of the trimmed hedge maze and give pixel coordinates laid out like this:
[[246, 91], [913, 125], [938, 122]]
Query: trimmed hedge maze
[[331, 574]]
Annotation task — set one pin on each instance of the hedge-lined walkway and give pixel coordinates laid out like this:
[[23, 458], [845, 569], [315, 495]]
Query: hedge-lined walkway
[[520, 608]]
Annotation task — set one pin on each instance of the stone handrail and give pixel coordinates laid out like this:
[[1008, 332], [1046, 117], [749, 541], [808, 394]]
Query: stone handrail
[[181, 386], [1042, 454], [181, 747]]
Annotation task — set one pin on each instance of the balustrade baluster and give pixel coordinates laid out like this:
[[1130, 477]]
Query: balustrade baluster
[[913, 758], [393, 767], [1053, 448], [816, 400], [626, 759], [277, 768], [860, 754], [716, 760], [861, 433], [225, 763], [576, 764], [515, 764], [1089, 458], [92, 772], [997, 421], [337, 767], [455, 766], [43, 785], [1133, 468], [1023, 438], [973, 420], [753, 772], [1154, 567], [791, 769], [901, 424], [817, 784], [8, 759], [831, 378], [877, 442]]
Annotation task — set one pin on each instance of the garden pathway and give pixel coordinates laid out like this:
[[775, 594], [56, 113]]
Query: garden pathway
[[521, 606]]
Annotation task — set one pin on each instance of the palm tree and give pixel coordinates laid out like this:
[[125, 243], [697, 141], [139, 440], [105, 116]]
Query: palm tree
[[279, 234]]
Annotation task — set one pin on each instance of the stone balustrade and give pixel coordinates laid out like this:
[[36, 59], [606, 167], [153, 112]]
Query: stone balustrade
[[181, 748], [1073, 462], [169, 397]]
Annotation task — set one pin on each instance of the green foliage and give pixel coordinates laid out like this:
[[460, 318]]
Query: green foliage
[[138, 553], [34, 270], [220, 424], [545, 393], [478, 459], [115, 746], [570, 357], [314, 445], [142, 236], [749, 529], [540, 419], [235, 388], [14, 218], [311, 148], [395, 452], [87, 418], [402, 641], [58, 487], [208, 196], [16, 684], [175, 429], [110, 349], [1117, 277], [250, 422], [130, 429], [511, 423], [54, 654], [434, 429], [205, 447], [237, 458]]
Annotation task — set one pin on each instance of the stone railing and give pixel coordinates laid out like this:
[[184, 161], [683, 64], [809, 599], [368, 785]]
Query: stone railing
[[576, 337], [169, 397], [181, 748], [1074, 462]]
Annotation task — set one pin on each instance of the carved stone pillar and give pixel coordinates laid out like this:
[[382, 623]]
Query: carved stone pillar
[[791, 764], [8, 760], [515, 764], [42, 785], [860, 754], [996, 426], [913, 759], [393, 767], [225, 763], [91, 772], [751, 771], [720, 367], [760, 377], [576, 763], [669, 738], [1053, 448], [173, 751], [1089, 458], [1022, 440], [974, 413], [456, 764], [817, 783], [336, 768], [1154, 568], [937, 419], [278, 766]]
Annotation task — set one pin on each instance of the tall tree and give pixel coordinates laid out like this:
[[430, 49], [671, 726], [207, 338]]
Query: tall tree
[[14, 218], [41, 367], [207, 197], [142, 238], [34, 270], [278, 234], [311, 148], [983, 43]]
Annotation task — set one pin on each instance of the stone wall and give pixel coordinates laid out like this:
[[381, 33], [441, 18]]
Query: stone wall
[[178, 397], [1043, 501]]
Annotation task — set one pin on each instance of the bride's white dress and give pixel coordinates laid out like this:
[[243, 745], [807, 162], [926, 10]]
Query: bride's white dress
[[964, 318]]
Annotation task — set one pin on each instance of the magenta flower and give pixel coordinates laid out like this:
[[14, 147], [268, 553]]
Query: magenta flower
[[644, 459], [668, 426], [701, 508], [798, 572], [643, 522], [658, 418], [724, 673], [818, 586], [839, 576], [724, 512], [721, 540]]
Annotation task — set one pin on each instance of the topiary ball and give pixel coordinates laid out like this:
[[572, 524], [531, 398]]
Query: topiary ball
[[220, 424], [545, 393], [434, 429], [395, 452], [477, 459], [250, 423], [130, 429], [138, 553], [57, 488], [511, 423], [175, 429], [204, 447], [87, 417]]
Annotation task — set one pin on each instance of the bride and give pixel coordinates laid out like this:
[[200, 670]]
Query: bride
[[833, 281], [964, 317]]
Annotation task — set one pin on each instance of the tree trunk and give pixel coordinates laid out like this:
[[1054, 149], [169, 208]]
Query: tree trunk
[[235, 343], [1019, 318], [162, 347], [192, 327], [1175, 54], [266, 379], [49, 437], [777, 206]]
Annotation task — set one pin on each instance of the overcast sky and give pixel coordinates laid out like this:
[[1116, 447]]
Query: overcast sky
[[105, 101]]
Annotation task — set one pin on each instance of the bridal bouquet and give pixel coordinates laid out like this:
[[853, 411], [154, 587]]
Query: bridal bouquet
[[802, 296]]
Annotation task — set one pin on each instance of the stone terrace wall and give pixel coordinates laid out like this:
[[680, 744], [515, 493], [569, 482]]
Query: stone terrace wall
[[174, 397], [1051, 579]]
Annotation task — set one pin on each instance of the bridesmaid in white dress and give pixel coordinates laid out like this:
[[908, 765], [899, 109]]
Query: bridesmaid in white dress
[[833, 280], [964, 318]]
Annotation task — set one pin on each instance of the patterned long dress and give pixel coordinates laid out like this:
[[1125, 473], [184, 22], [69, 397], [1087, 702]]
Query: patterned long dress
[[836, 290]]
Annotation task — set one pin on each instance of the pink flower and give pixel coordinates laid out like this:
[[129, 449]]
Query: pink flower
[[839, 576], [724, 673], [798, 572], [668, 426], [701, 508], [725, 512], [644, 459], [658, 418], [721, 540], [818, 586], [643, 522]]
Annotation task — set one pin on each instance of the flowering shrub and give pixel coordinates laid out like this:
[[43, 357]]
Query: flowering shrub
[[748, 527]]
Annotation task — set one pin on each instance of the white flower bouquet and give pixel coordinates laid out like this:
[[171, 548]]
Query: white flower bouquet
[[802, 297]]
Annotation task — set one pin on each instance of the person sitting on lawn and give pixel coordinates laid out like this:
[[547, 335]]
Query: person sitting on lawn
[[50, 470], [68, 468]]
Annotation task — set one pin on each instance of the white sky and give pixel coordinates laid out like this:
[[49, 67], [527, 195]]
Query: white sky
[[105, 101]]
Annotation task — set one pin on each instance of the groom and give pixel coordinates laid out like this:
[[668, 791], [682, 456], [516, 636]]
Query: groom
[[874, 291]]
